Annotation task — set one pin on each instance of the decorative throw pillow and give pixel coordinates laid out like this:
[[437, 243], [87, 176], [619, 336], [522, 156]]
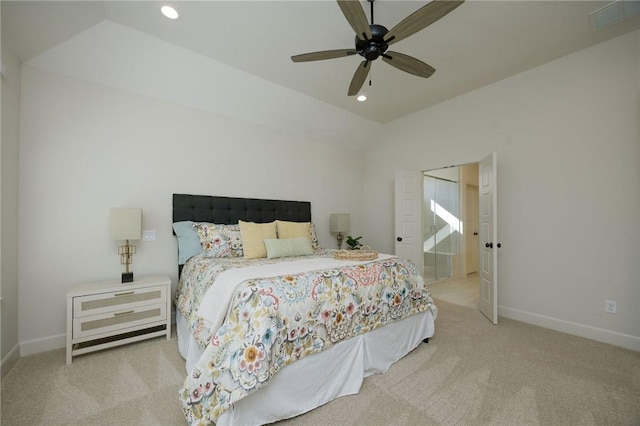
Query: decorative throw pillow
[[217, 246], [314, 237], [188, 240], [288, 229], [252, 235], [278, 247], [220, 240]]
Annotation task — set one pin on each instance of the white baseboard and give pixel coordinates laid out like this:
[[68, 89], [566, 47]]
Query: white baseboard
[[9, 360], [44, 344], [594, 333]]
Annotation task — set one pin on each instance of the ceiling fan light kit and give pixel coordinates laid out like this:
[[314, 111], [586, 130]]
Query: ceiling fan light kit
[[373, 40]]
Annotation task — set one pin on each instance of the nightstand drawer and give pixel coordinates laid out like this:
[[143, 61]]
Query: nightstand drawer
[[117, 300], [118, 320]]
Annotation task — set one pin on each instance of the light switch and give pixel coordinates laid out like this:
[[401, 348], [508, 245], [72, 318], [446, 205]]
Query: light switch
[[149, 235]]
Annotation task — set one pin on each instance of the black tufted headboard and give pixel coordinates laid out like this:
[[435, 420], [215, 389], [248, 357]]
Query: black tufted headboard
[[229, 210]]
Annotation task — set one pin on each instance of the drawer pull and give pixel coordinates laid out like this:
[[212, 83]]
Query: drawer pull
[[123, 293], [122, 313]]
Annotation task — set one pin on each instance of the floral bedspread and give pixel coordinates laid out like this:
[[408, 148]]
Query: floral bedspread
[[199, 275], [272, 322]]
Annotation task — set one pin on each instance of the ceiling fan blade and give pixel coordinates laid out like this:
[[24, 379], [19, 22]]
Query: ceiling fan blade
[[420, 19], [359, 78], [353, 11], [408, 64], [325, 54]]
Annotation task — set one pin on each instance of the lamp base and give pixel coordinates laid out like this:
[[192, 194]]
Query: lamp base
[[127, 277]]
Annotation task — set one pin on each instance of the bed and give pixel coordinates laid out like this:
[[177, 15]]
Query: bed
[[257, 329]]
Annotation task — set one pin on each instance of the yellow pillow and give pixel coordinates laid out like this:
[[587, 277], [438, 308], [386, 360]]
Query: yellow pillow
[[252, 235], [288, 230]]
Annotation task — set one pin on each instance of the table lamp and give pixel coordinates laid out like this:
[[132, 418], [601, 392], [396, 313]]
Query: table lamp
[[339, 223], [126, 224]]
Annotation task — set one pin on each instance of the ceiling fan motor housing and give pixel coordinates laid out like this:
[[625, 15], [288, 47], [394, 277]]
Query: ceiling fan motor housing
[[371, 49]]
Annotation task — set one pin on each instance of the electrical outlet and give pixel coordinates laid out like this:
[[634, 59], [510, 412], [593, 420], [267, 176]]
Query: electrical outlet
[[610, 306], [149, 235]]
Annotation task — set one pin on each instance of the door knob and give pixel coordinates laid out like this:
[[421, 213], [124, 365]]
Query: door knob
[[488, 245], [399, 239], [498, 245]]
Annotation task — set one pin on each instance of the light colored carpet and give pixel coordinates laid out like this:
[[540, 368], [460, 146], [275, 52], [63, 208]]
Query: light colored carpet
[[470, 373]]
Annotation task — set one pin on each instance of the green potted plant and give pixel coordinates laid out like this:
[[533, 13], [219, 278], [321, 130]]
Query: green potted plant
[[353, 243]]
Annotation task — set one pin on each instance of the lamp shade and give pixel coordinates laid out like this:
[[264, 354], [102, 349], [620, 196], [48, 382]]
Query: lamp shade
[[126, 224], [339, 222]]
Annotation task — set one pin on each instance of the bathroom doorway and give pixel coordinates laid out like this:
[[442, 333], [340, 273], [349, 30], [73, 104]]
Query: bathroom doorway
[[450, 237]]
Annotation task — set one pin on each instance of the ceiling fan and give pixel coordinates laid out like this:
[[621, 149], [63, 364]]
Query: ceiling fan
[[373, 40]]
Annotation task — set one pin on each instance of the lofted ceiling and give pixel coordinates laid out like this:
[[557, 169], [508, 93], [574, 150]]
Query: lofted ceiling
[[480, 42]]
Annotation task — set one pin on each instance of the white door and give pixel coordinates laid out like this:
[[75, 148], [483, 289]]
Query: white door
[[470, 234], [408, 217], [488, 238]]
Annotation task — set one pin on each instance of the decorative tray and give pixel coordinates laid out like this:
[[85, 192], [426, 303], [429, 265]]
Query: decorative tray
[[364, 253]]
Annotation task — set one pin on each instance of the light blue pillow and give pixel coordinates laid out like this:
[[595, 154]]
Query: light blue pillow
[[282, 247], [188, 241]]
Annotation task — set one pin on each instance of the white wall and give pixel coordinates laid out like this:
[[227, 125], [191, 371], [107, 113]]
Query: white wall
[[568, 144], [9, 215], [87, 147]]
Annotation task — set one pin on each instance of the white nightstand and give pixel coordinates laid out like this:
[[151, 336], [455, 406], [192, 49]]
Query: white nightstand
[[105, 314]]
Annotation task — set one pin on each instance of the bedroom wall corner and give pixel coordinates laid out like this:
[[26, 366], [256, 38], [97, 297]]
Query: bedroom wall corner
[[9, 291]]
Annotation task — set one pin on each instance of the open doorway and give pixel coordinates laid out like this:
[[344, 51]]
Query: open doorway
[[450, 237]]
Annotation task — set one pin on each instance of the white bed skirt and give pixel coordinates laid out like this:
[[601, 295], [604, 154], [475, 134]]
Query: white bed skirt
[[335, 372]]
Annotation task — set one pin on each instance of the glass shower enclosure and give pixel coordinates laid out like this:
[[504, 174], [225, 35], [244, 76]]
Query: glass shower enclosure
[[442, 226]]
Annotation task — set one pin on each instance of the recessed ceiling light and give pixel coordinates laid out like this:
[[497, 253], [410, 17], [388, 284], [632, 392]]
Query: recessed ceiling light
[[362, 98], [169, 12]]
